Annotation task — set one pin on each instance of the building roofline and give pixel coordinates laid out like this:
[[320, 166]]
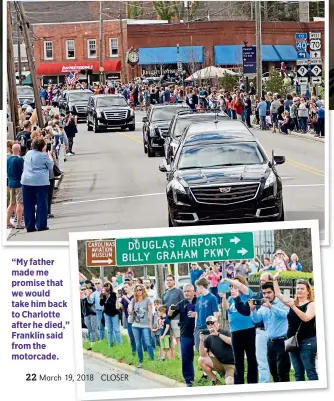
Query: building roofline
[[128, 21]]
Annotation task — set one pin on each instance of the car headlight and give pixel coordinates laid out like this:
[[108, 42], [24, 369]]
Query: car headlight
[[70, 108], [99, 114], [132, 112], [180, 196], [271, 180], [152, 132]]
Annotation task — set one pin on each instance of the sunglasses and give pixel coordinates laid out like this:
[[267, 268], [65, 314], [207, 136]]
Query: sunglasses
[[303, 282], [83, 289], [210, 323], [139, 289]]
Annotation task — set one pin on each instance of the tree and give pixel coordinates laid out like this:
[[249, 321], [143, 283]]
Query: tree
[[297, 241], [228, 82], [275, 83], [167, 10], [132, 10]]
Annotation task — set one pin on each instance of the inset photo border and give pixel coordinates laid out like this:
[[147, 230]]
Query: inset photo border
[[114, 372]]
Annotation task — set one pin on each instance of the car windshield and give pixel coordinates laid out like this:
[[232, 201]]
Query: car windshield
[[183, 123], [166, 113], [220, 155], [80, 96], [24, 90], [111, 101]]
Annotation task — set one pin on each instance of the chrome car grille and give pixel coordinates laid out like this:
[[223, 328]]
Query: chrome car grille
[[115, 115], [81, 109], [225, 194]]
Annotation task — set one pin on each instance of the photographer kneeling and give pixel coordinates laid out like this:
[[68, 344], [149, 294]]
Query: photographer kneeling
[[216, 352]]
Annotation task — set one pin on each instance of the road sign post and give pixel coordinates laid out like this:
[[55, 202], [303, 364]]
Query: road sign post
[[184, 249], [302, 58], [315, 58], [249, 60]]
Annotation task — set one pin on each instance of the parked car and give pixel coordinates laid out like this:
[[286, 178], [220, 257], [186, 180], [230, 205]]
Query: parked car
[[25, 95], [180, 122], [109, 111], [76, 102], [222, 175], [156, 125]]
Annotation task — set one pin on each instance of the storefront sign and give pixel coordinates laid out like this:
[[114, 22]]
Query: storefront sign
[[114, 76], [249, 59], [69, 68]]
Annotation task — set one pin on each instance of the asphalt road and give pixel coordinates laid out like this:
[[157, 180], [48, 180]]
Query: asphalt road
[[111, 184], [103, 371]]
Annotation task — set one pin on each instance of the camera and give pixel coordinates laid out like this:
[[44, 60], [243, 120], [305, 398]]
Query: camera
[[205, 332], [258, 302], [174, 307], [48, 147]]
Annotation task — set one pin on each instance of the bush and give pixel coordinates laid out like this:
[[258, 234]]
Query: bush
[[275, 83], [285, 277], [228, 82]]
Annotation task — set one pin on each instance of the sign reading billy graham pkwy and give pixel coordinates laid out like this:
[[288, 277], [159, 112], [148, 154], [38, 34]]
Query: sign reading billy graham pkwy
[[184, 248]]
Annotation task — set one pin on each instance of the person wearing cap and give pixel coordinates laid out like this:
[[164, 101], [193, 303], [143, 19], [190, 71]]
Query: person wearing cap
[[95, 300], [274, 315], [186, 310], [216, 352]]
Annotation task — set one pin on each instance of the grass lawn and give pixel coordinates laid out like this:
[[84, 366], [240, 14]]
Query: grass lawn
[[167, 368]]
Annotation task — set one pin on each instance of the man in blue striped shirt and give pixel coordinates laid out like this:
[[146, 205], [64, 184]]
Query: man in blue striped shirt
[[273, 313]]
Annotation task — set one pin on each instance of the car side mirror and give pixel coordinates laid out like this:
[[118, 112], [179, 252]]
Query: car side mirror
[[279, 159], [145, 120]]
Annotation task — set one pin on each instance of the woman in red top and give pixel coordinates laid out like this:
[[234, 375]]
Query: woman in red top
[[239, 107], [233, 108], [214, 277]]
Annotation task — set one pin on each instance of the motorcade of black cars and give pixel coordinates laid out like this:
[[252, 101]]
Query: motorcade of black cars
[[156, 126], [220, 175], [109, 111], [75, 101], [25, 95], [181, 121]]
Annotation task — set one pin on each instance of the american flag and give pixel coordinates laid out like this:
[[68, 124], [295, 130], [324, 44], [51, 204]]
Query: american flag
[[72, 78]]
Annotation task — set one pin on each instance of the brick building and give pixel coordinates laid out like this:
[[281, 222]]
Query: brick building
[[62, 47]]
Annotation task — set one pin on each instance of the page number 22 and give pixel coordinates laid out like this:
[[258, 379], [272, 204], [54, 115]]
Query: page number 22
[[31, 377]]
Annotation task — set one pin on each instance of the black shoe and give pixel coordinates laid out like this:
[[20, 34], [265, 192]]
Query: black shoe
[[89, 349], [204, 377], [189, 385], [43, 229], [51, 216], [214, 382]]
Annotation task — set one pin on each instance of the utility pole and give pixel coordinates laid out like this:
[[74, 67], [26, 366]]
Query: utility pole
[[101, 45], [160, 279], [125, 73], [19, 51], [12, 93], [22, 20], [258, 48]]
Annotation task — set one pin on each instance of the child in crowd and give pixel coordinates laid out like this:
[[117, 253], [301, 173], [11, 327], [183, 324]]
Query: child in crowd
[[165, 345], [156, 327]]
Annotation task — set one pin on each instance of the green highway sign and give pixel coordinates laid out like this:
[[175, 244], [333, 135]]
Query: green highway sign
[[184, 249]]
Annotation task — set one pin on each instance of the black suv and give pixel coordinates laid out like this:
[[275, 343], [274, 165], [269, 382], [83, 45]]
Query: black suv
[[222, 176], [156, 126], [75, 101], [109, 111], [180, 122], [25, 95]]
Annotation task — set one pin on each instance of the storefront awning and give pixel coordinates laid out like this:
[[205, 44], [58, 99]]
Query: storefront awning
[[65, 68], [287, 52], [232, 54], [168, 55]]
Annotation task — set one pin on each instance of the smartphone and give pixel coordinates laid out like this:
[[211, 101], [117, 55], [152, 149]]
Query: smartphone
[[48, 147], [258, 302], [286, 295], [224, 287], [173, 307], [206, 332]]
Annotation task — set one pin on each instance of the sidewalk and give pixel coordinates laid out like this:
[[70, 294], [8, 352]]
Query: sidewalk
[[307, 136]]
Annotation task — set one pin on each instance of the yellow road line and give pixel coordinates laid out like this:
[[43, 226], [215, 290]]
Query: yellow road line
[[131, 137]]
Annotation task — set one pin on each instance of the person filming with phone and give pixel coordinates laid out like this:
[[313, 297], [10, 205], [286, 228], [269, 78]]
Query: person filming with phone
[[216, 354], [273, 313], [185, 309]]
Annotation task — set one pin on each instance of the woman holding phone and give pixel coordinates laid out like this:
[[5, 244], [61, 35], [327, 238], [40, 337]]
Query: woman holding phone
[[242, 328], [301, 321], [110, 301], [140, 309]]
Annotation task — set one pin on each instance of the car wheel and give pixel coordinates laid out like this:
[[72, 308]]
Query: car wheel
[[145, 148], [132, 127], [95, 126], [89, 128], [150, 151]]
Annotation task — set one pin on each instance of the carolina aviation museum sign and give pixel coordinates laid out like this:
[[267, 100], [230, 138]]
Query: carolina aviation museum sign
[[171, 249]]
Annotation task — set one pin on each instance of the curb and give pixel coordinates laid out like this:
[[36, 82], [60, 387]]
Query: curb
[[138, 371], [296, 134]]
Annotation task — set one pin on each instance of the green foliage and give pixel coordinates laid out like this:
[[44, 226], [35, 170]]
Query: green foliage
[[228, 82], [132, 10], [275, 83], [169, 368], [166, 10], [286, 276]]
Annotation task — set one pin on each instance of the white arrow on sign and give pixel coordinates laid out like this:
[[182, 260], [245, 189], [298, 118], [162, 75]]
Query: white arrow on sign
[[99, 262], [243, 251], [235, 240]]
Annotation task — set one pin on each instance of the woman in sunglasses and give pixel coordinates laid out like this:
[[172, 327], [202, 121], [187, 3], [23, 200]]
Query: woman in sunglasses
[[140, 309], [243, 332], [109, 300], [301, 321]]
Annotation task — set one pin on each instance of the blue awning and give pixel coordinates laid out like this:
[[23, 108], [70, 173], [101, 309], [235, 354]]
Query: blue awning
[[287, 52], [168, 55], [232, 54]]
